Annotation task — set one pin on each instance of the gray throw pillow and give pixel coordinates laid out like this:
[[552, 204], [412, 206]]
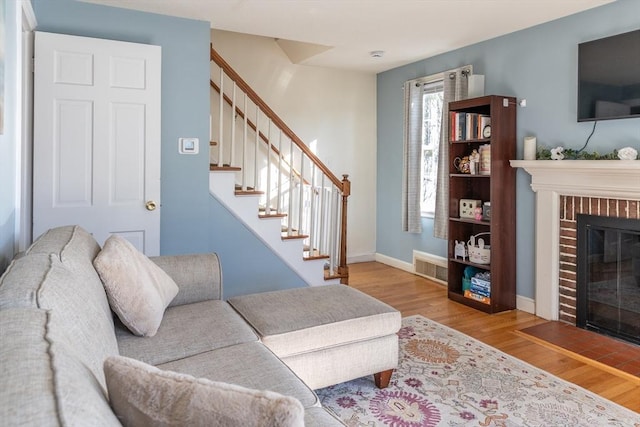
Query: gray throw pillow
[[143, 395], [138, 290]]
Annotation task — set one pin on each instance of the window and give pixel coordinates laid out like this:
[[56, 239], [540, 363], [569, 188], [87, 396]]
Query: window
[[432, 104], [424, 170]]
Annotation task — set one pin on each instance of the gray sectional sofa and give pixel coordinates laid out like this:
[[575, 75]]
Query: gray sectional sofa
[[57, 329]]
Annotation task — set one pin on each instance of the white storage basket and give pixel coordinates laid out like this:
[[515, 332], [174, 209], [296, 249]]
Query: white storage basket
[[479, 253]]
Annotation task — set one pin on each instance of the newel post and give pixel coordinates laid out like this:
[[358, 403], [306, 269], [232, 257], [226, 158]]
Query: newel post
[[343, 269]]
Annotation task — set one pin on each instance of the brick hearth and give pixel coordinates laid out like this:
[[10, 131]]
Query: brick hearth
[[570, 207]]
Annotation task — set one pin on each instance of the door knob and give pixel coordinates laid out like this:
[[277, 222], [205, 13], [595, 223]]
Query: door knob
[[151, 205]]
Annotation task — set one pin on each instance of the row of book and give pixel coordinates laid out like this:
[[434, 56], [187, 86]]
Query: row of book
[[480, 290], [465, 126]]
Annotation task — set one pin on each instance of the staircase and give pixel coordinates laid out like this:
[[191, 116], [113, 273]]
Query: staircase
[[272, 182]]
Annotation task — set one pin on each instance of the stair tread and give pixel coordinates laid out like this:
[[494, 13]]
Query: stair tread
[[314, 257], [272, 215], [214, 167], [294, 236], [313, 253], [248, 193]]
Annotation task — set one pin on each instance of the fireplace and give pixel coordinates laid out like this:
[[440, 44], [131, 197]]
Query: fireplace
[[563, 190], [608, 276]]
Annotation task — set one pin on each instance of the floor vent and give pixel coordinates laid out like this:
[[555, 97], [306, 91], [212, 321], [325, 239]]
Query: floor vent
[[430, 266]]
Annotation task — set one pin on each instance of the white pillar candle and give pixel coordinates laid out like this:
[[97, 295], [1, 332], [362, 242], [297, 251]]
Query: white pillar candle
[[530, 148]]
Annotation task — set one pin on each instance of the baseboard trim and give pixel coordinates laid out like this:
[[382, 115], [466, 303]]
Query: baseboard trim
[[526, 304], [354, 259], [393, 262]]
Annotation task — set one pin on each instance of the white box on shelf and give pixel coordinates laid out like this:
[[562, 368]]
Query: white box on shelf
[[468, 207]]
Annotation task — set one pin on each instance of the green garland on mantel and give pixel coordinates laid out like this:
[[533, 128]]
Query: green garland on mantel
[[544, 153]]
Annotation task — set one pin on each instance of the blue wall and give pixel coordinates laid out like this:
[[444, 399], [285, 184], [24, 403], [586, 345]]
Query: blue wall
[[192, 221], [539, 64], [248, 264]]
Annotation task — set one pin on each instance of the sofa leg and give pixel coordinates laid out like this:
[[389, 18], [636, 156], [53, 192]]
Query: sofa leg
[[383, 378]]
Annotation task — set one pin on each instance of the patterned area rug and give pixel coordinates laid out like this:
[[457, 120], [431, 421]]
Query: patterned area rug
[[446, 378]]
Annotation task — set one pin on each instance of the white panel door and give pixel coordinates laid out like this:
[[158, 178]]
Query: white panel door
[[96, 157]]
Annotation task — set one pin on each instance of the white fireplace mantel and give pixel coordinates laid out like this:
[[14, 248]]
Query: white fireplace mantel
[[613, 179]]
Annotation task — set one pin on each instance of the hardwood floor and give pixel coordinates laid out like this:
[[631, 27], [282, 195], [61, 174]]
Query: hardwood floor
[[413, 294]]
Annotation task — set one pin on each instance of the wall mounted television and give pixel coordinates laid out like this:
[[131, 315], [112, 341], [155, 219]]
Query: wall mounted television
[[609, 77]]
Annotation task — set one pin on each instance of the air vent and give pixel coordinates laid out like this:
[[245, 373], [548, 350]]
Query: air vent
[[430, 266]]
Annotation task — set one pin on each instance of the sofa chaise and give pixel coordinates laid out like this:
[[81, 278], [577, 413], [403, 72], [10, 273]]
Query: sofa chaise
[[67, 359]]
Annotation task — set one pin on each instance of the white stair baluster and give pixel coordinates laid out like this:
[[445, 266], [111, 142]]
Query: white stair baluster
[[244, 146], [233, 125], [278, 204], [323, 218], [301, 201], [291, 185], [220, 122], [268, 196], [312, 211], [257, 150]]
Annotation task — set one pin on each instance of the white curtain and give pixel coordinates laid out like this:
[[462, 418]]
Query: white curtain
[[455, 88], [412, 157]]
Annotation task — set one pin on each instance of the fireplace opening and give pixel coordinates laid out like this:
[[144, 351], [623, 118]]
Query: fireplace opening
[[608, 276]]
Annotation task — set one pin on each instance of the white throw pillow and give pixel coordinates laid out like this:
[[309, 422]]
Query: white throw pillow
[[143, 395], [138, 290]]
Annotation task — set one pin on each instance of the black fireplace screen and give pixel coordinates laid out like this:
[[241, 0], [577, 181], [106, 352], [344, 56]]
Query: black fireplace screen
[[608, 276]]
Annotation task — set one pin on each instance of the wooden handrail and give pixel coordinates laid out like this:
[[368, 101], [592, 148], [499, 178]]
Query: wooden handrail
[[215, 56]]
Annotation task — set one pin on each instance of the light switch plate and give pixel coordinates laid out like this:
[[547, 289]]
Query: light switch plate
[[188, 145]]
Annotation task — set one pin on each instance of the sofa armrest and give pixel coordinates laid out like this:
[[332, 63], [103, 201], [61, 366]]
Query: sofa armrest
[[198, 276]]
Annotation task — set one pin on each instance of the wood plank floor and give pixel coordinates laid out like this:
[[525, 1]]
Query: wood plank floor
[[413, 294]]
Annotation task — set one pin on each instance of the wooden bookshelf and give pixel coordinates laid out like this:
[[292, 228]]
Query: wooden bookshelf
[[498, 188]]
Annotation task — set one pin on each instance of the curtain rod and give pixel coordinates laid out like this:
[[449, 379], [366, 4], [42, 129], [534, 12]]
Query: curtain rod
[[465, 71]]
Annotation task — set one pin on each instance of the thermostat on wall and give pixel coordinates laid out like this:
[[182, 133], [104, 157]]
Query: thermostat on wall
[[188, 145]]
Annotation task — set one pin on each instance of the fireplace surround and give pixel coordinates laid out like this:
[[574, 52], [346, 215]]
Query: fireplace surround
[[563, 190]]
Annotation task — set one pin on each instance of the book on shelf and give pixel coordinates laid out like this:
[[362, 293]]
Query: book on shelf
[[476, 297], [481, 282], [480, 286], [480, 290], [464, 126]]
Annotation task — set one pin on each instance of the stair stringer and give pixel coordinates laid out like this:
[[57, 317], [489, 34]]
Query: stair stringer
[[245, 209]]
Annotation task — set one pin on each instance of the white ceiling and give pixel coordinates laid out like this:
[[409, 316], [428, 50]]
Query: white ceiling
[[342, 33]]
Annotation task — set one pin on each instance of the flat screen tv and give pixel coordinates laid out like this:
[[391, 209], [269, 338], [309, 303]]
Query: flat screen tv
[[609, 77]]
